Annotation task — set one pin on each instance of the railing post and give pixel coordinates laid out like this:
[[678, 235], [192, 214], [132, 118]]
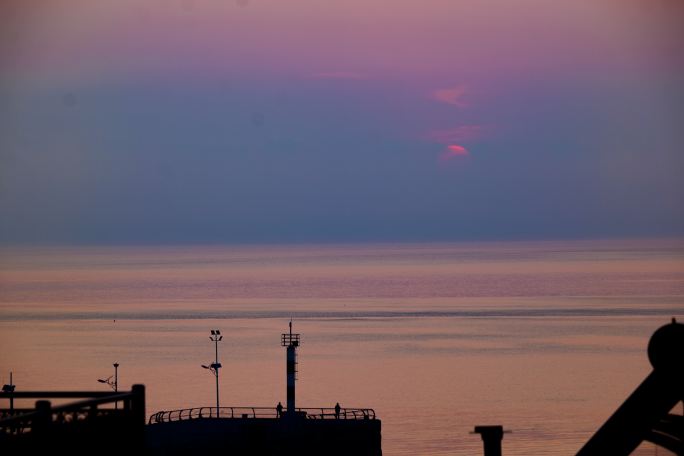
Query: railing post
[[491, 438], [41, 423], [138, 404], [137, 415], [92, 412]]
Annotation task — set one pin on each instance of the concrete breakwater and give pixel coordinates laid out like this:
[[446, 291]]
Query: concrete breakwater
[[296, 435]]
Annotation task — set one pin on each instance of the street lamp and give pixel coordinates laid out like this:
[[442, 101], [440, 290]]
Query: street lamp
[[114, 384], [214, 367], [10, 389]]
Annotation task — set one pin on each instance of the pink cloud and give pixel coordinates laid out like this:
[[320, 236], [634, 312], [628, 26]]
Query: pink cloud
[[453, 151], [338, 75], [462, 133], [453, 96]]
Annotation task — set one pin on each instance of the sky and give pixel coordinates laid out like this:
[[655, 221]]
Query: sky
[[249, 121]]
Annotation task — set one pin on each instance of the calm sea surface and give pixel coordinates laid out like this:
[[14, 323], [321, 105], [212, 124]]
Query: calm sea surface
[[546, 338]]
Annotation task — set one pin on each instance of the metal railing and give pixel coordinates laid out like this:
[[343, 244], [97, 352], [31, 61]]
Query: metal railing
[[289, 339], [167, 416], [44, 416]]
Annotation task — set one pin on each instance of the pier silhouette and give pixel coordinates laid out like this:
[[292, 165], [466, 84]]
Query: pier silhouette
[[274, 430]]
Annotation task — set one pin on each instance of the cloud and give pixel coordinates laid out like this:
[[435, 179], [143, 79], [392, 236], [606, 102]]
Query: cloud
[[462, 133], [453, 96], [453, 151], [338, 75]]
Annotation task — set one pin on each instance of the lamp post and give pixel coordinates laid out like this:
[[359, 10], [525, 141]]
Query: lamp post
[[10, 389], [214, 367], [113, 384]]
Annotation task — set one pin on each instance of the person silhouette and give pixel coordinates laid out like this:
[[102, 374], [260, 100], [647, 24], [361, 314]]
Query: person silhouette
[[337, 411], [279, 410]]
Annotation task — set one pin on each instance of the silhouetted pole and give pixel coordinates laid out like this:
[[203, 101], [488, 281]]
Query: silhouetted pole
[[216, 337], [291, 360], [137, 415], [291, 342], [491, 438], [291, 356], [115, 384], [11, 390], [217, 375]]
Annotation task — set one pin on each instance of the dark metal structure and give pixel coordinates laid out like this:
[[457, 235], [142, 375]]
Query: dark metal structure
[[77, 427], [9, 388], [168, 416], [491, 439], [645, 415], [214, 367], [291, 342], [114, 384]]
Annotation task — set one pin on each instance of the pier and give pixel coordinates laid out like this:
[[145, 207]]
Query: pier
[[268, 430], [93, 424], [259, 430]]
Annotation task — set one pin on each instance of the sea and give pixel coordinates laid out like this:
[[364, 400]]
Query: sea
[[546, 338]]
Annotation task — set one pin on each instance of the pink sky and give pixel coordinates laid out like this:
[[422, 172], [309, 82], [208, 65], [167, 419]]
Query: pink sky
[[568, 107], [444, 42]]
